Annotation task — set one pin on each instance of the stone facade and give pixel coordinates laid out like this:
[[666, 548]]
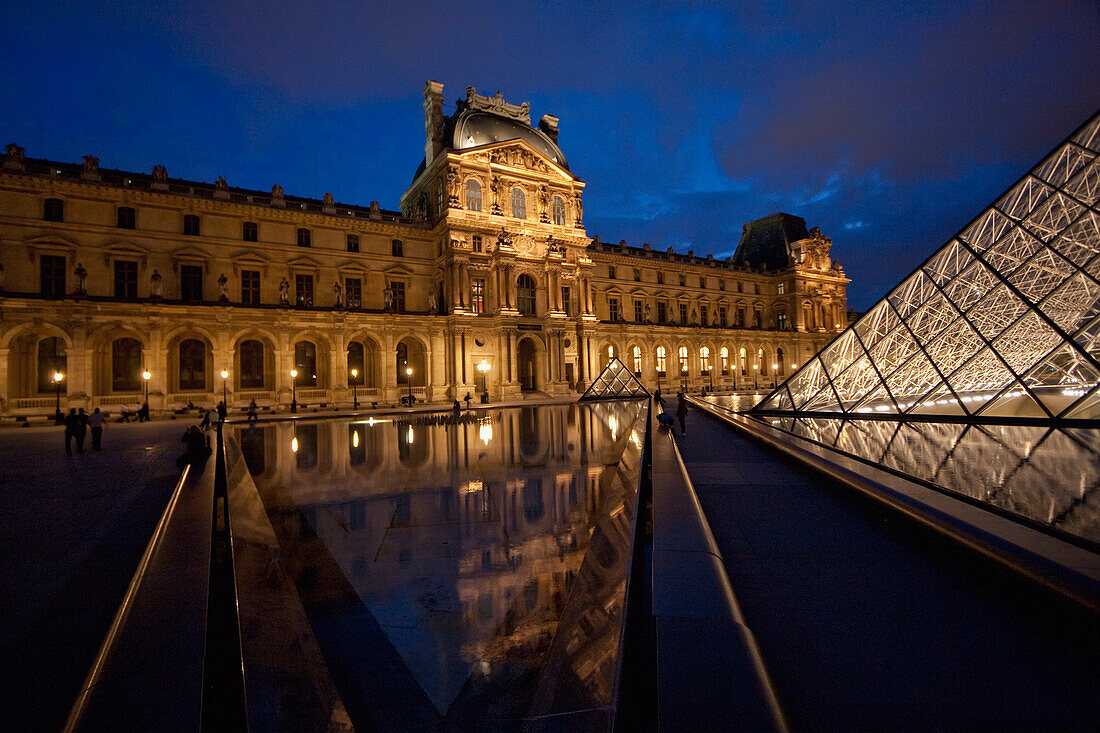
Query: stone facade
[[484, 281]]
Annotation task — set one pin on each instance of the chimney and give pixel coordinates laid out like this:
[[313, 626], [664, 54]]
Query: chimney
[[549, 125], [433, 120]]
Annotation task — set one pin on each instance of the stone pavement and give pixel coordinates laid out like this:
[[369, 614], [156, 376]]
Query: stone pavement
[[74, 529], [868, 622]]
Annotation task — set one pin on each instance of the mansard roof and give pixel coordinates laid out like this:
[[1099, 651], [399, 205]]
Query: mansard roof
[[766, 242]]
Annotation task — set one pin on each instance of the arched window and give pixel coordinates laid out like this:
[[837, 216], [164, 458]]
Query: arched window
[[559, 211], [744, 364], [519, 204], [402, 362], [355, 364], [662, 361], [192, 365], [610, 352], [779, 360], [525, 293], [473, 195], [704, 359], [637, 354], [126, 365], [51, 358], [305, 361], [760, 361], [724, 354], [252, 364], [682, 352]]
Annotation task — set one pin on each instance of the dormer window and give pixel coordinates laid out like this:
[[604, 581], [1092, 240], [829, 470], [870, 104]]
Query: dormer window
[[519, 204]]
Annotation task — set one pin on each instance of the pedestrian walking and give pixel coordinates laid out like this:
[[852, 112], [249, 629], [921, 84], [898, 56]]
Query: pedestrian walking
[[143, 412], [252, 416], [467, 400], [205, 423], [659, 398], [681, 413], [223, 411], [71, 422], [97, 423], [81, 430]]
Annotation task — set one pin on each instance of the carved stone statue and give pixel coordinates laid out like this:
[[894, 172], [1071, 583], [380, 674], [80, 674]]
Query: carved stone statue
[[647, 313], [336, 290], [328, 200], [155, 285], [452, 187], [496, 187], [91, 164], [81, 279], [387, 297], [15, 152], [277, 191], [223, 288], [503, 240], [220, 184], [694, 316], [433, 301], [160, 173], [578, 206], [284, 292]]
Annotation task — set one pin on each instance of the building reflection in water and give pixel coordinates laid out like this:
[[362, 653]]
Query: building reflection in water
[[490, 556]]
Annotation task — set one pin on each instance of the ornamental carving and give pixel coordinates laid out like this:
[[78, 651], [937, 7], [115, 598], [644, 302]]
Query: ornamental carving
[[816, 250], [91, 164], [160, 173], [517, 156]]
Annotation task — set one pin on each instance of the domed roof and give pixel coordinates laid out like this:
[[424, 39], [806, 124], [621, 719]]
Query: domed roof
[[476, 127]]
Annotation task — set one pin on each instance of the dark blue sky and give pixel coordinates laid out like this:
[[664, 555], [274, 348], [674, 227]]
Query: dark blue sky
[[889, 125]]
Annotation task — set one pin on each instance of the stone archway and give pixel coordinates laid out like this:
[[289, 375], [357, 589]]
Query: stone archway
[[528, 360]]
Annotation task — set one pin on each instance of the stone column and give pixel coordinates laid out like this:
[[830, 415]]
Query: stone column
[[511, 356]]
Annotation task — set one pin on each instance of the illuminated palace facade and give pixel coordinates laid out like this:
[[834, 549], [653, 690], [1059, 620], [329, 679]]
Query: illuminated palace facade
[[484, 281]]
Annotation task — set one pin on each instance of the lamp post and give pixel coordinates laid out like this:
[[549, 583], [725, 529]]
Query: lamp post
[[225, 378], [775, 372], [710, 371], [146, 375], [755, 377], [683, 377], [409, 379], [58, 378], [354, 392], [484, 368], [293, 390]]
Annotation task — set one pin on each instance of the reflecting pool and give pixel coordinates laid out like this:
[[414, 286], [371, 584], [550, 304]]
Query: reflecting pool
[[459, 572], [1048, 475]]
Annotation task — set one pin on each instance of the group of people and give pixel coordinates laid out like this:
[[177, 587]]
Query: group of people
[[77, 425], [142, 413], [665, 419]]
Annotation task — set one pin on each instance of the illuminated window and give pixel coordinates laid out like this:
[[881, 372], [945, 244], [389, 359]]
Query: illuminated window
[[637, 353], [724, 355], [744, 363], [781, 288], [781, 321], [610, 352], [704, 359], [476, 243], [477, 295], [559, 211], [525, 295], [473, 195], [661, 361], [519, 204]]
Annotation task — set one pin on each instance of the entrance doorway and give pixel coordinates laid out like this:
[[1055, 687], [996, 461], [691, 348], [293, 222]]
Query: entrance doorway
[[526, 363]]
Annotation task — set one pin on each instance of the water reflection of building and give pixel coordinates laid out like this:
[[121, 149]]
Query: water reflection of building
[[433, 522], [108, 273]]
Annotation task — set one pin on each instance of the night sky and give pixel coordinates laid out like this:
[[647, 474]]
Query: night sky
[[889, 125]]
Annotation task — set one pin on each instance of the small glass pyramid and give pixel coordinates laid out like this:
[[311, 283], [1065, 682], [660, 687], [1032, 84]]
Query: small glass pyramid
[[1003, 321], [614, 382]]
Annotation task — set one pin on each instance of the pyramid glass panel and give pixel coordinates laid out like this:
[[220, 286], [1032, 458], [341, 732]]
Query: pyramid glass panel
[[1003, 321], [615, 382]]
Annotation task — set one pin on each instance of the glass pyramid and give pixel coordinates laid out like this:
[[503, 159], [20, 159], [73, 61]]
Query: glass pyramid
[[1003, 321], [614, 382]]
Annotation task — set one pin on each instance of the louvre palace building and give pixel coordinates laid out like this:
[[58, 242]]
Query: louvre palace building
[[115, 284]]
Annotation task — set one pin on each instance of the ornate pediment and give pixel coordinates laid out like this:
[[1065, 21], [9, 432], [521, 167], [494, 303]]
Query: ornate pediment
[[514, 154]]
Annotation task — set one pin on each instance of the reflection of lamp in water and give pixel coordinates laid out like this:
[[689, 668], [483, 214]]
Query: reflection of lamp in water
[[485, 431], [354, 438], [370, 421], [410, 436], [294, 444]]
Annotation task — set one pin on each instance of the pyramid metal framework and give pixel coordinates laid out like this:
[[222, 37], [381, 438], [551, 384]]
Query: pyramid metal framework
[[1003, 321], [614, 382]]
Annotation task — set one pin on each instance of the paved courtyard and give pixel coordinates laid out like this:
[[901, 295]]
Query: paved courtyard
[[74, 529]]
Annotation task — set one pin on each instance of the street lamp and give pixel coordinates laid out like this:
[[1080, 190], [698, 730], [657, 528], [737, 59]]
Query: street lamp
[[225, 378], [293, 390], [484, 368], [58, 378], [775, 372], [146, 375], [354, 392], [755, 374], [683, 377], [409, 379]]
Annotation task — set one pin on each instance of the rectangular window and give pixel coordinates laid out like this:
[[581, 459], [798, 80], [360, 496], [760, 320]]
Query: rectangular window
[[476, 243], [303, 290], [353, 291], [721, 284], [781, 321], [477, 295], [756, 318], [566, 305], [611, 271], [191, 225], [191, 282], [722, 316], [397, 248], [683, 312], [662, 311], [250, 231], [740, 317], [740, 286], [637, 276], [127, 218], [702, 281], [756, 288], [353, 243], [250, 287], [781, 288], [398, 288], [52, 275], [613, 309], [660, 278], [125, 279], [305, 238], [54, 210], [683, 280], [703, 316], [639, 311]]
